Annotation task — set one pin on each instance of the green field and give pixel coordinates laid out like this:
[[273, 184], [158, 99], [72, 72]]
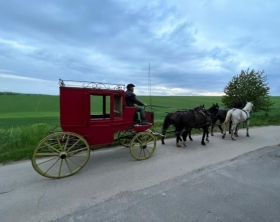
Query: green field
[[22, 110], [25, 119]]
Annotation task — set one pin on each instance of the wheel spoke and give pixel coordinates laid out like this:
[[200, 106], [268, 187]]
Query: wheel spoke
[[58, 142], [140, 152], [76, 151], [68, 166], [150, 140], [47, 154], [148, 151], [144, 153], [51, 147], [66, 144], [52, 165], [146, 138], [46, 161], [59, 172], [72, 145], [77, 156], [140, 142], [75, 162]]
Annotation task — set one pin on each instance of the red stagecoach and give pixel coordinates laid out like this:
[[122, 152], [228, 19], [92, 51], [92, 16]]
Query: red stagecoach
[[90, 115]]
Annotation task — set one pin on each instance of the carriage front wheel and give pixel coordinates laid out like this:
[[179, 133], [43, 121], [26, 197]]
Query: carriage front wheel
[[60, 155], [143, 145]]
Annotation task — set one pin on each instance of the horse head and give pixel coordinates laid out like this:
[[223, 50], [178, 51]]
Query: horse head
[[249, 106]]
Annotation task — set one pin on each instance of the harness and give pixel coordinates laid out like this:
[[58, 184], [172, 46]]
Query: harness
[[247, 114]]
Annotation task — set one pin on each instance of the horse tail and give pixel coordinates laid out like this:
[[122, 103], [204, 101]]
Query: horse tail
[[166, 124], [228, 117]]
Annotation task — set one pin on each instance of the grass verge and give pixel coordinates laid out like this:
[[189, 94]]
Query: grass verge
[[18, 143]]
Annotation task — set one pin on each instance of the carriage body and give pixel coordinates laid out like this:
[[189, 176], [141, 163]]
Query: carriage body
[[90, 115], [97, 113]]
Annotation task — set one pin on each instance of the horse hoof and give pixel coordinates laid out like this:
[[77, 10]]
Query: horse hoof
[[185, 144], [203, 144], [248, 135], [191, 139], [212, 134], [233, 138], [223, 137], [178, 145]]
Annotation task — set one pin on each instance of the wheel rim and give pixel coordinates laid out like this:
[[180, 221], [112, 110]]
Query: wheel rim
[[142, 146], [125, 137], [60, 155], [55, 129]]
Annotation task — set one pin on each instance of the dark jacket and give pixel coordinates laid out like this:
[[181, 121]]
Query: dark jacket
[[130, 99]]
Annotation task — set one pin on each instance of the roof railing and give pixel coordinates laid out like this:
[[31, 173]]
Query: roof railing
[[91, 85]]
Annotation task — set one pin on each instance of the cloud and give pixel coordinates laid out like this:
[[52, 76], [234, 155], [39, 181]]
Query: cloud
[[192, 47]]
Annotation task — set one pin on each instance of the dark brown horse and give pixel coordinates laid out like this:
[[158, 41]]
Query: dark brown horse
[[187, 120]]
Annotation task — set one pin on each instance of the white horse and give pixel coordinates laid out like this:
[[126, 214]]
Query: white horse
[[238, 116]]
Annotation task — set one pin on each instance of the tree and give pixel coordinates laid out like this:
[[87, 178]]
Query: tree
[[248, 86]]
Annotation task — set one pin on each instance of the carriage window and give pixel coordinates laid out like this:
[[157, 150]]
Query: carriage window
[[117, 105], [99, 106]]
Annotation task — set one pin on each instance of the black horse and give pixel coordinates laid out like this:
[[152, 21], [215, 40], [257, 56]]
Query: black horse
[[213, 110], [187, 120], [221, 116], [173, 117]]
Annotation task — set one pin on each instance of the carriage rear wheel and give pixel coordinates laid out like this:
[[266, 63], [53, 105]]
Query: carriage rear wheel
[[60, 155], [143, 145], [125, 137]]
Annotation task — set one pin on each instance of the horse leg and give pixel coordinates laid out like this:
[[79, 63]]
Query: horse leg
[[229, 129], [164, 132], [203, 136], [178, 139], [190, 136], [233, 128], [178, 132], [236, 130], [212, 127], [225, 130], [247, 128], [207, 134], [162, 139], [184, 135]]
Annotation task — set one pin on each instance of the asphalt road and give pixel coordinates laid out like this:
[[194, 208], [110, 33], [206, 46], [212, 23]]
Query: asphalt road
[[223, 181]]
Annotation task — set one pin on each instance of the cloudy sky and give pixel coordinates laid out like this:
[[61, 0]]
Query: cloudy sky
[[193, 47]]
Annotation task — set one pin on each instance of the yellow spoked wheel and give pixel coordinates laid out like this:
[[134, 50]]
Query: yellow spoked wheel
[[143, 145], [55, 129], [125, 137], [60, 155]]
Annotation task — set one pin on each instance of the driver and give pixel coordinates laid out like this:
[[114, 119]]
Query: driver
[[130, 99]]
